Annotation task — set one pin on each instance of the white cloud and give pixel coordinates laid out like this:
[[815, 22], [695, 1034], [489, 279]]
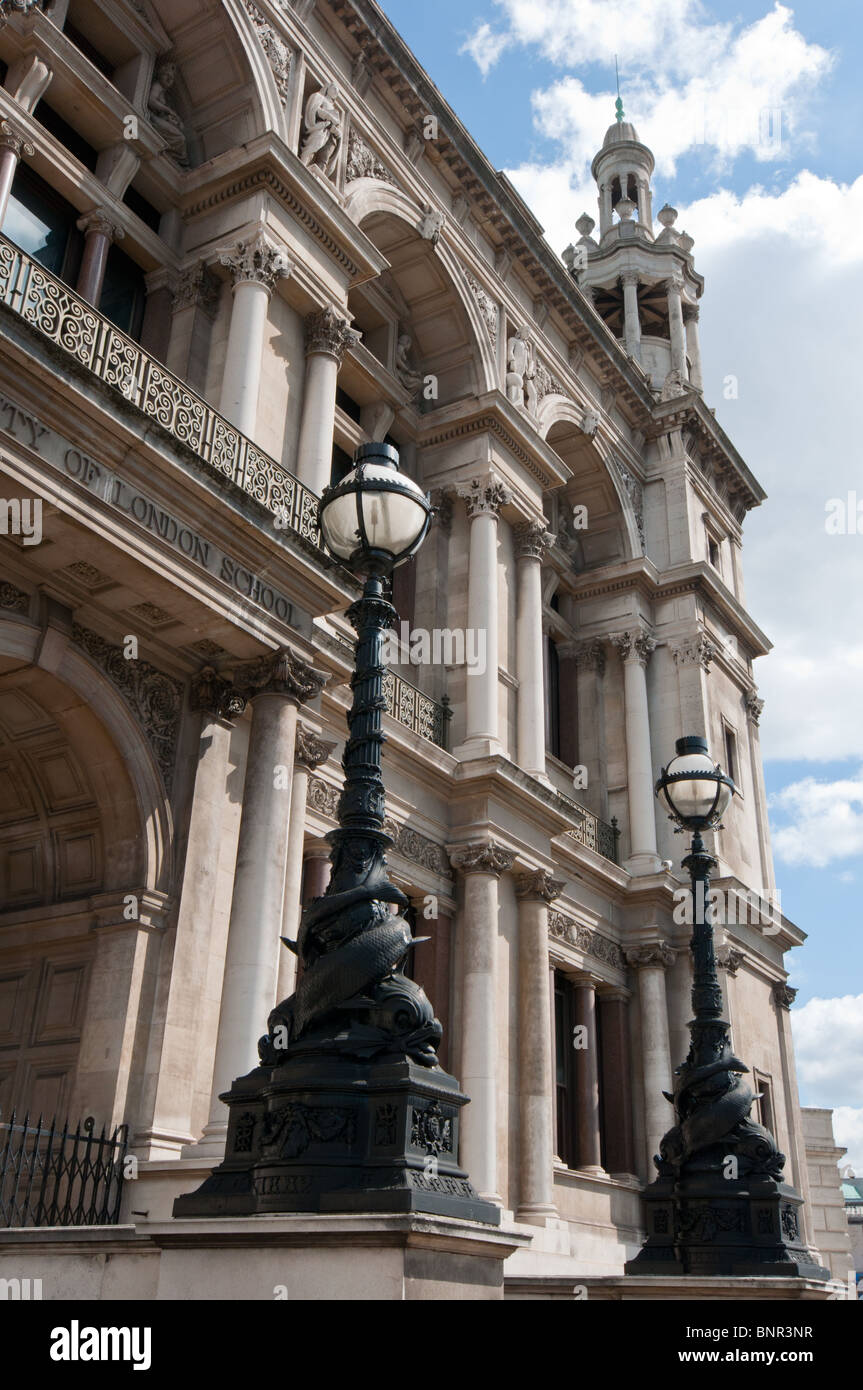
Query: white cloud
[[826, 821], [485, 47], [828, 1045], [686, 82]]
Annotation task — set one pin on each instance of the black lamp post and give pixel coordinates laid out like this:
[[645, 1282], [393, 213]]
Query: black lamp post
[[718, 1205], [349, 1110]]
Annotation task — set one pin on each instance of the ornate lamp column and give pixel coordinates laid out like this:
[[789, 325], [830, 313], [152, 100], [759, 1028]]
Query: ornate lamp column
[[536, 1083], [635, 650], [327, 339], [631, 320], [349, 1110], [100, 232], [12, 145], [276, 686], [693, 346], [719, 1206], [484, 497], [531, 540], [674, 291], [255, 266], [482, 865]]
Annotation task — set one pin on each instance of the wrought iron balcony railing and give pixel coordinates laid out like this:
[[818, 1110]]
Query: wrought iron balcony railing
[[74, 326]]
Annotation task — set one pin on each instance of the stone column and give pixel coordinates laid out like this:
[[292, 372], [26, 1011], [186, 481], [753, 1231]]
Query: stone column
[[635, 649], [617, 1082], [531, 540], [100, 232], [276, 685], [552, 1024], [309, 752], [674, 290], [327, 339], [536, 1096], [589, 1154], [783, 998], [484, 497], [631, 319], [693, 346], [606, 212], [12, 145], [482, 864], [432, 966], [754, 707], [255, 267], [651, 962], [728, 961]]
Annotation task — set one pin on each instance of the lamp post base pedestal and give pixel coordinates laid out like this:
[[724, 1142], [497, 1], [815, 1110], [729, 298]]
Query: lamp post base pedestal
[[702, 1224], [335, 1134]]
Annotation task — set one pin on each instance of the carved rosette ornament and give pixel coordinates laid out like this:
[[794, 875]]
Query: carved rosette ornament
[[655, 955], [783, 994], [16, 600], [531, 540], [12, 139], [486, 857], [100, 222], [310, 750], [281, 673], [256, 260], [634, 646], [327, 332], [539, 884], [754, 706], [485, 496]]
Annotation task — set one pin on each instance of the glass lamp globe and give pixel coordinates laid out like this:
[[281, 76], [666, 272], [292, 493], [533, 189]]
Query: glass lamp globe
[[376, 517], [692, 787]]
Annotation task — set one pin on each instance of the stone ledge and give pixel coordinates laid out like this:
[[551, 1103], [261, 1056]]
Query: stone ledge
[[628, 1288]]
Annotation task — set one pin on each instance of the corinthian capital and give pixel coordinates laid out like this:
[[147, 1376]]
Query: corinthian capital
[[754, 706], [485, 496], [634, 646], [101, 221], [310, 750], [211, 694], [531, 540], [12, 139], [281, 673], [588, 651], [327, 332], [783, 994], [655, 954], [694, 651], [539, 884], [485, 857], [256, 260]]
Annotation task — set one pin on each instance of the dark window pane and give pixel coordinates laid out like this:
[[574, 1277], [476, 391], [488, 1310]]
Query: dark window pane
[[42, 223], [141, 208], [74, 143], [89, 50], [347, 404], [123, 292]]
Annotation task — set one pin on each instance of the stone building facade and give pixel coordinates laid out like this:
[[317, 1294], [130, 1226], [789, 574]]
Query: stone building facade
[[239, 239]]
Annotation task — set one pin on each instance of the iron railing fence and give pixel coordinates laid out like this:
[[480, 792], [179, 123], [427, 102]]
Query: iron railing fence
[[53, 1176]]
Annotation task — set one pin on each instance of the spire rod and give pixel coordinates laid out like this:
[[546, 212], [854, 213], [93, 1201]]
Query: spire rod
[[618, 105]]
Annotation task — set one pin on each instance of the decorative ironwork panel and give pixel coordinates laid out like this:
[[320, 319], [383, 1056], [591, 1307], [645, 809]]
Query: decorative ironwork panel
[[63, 318], [56, 1177], [415, 710]]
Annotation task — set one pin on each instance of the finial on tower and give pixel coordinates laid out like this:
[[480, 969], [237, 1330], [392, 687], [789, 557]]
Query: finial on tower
[[618, 105]]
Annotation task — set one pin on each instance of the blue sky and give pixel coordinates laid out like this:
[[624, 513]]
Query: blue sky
[[778, 230]]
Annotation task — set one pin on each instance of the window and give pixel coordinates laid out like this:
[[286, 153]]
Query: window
[[763, 1088], [42, 223], [341, 465], [713, 552], [83, 44], [564, 1021], [731, 762], [552, 698], [141, 208], [123, 293], [67, 135], [348, 404]]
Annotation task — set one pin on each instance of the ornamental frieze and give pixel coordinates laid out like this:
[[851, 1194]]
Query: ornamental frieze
[[323, 797], [486, 305], [14, 599], [155, 699], [591, 943], [363, 163]]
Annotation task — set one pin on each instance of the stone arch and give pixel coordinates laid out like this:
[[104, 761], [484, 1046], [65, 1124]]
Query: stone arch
[[126, 788], [561, 423], [271, 109], [373, 201]]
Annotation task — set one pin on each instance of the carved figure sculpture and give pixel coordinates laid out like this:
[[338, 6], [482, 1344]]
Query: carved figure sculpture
[[409, 378], [163, 117], [323, 124]]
